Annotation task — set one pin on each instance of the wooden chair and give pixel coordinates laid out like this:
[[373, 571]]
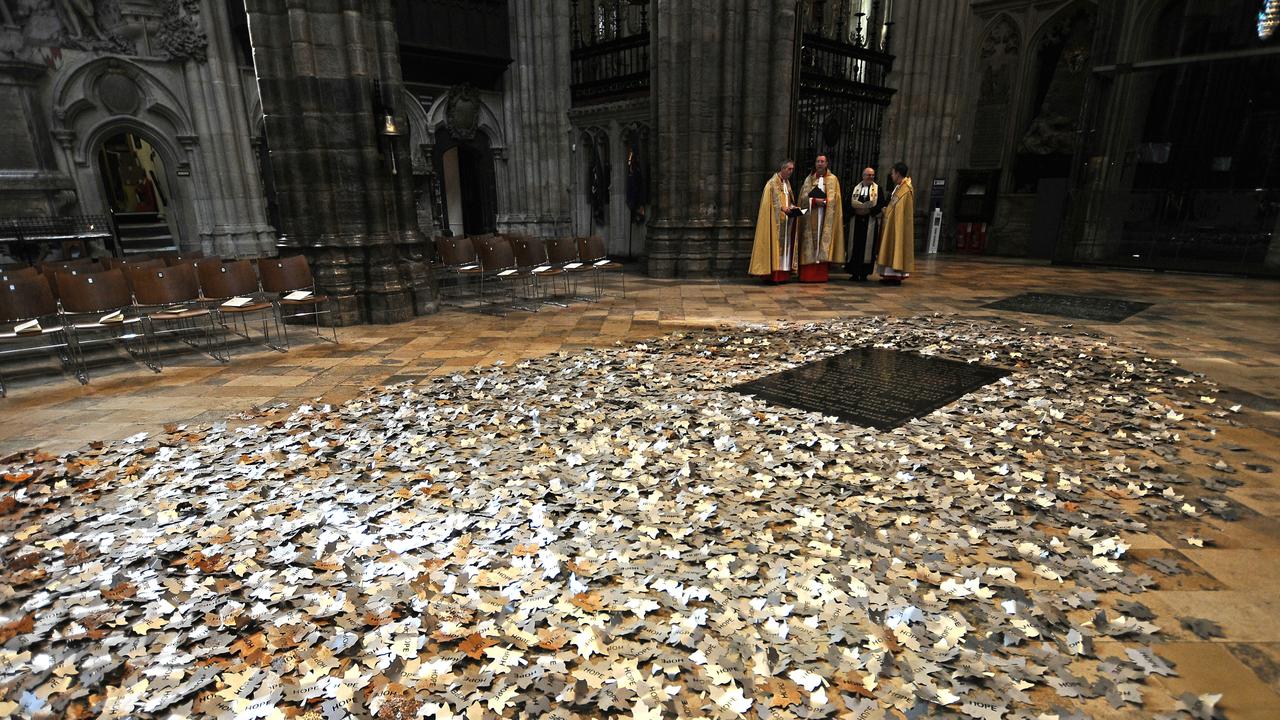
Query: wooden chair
[[536, 267], [289, 283], [75, 267], [592, 251], [563, 253], [231, 290], [131, 266], [498, 265], [458, 260], [170, 299], [50, 268], [26, 299], [98, 309], [179, 258], [21, 273]]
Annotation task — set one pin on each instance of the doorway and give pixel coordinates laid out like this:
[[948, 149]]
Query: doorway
[[136, 188], [470, 188]]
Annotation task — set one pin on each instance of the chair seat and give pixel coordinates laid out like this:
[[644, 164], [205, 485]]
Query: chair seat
[[180, 315], [104, 326], [306, 301], [252, 307], [548, 271], [38, 333]]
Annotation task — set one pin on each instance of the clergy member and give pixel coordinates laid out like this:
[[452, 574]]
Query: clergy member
[[773, 253], [898, 238], [822, 229], [865, 201]]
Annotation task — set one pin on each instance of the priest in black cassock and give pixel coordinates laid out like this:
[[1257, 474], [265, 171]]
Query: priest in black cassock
[[866, 206]]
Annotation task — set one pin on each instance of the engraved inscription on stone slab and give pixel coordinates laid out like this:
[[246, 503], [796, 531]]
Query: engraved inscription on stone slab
[[873, 386], [1080, 307]]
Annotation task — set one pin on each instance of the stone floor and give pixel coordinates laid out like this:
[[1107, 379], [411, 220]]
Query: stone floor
[[1227, 328]]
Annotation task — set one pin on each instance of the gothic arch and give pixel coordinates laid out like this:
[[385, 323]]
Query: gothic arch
[[1062, 19], [1001, 26], [421, 134], [1141, 35], [108, 95], [999, 72], [1054, 30], [115, 91]]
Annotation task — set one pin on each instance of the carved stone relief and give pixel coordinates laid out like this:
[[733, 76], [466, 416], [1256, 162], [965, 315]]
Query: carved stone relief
[[462, 111], [103, 26], [180, 35], [78, 24]]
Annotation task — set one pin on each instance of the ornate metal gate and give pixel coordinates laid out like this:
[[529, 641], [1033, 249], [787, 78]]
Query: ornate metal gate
[[841, 92]]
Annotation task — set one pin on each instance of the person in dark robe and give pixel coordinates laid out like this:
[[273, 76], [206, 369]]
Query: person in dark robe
[[865, 202]]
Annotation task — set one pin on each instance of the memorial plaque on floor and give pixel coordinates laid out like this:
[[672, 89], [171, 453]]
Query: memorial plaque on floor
[[873, 387], [1079, 307]]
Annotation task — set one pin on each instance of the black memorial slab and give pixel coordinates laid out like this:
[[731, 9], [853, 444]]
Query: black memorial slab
[[872, 386], [1079, 307]]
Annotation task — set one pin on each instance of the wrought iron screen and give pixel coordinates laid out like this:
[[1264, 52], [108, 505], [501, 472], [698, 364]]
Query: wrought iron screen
[[610, 56], [842, 93]]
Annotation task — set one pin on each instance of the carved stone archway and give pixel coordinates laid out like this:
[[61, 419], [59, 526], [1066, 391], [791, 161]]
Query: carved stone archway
[[110, 95]]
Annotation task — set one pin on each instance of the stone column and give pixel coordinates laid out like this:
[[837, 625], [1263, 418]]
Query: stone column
[[231, 218], [536, 116], [933, 74], [317, 63], [30, 182], [721, 75]]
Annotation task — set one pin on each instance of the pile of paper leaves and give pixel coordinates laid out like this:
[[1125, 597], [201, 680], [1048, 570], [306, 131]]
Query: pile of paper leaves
[[613, 534]]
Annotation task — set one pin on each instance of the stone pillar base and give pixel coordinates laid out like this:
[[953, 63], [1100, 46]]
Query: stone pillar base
[[388, 308], [698, 251], [236, 242]]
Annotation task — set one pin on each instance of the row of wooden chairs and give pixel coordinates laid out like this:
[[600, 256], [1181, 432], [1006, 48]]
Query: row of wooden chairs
[[530, 270], [197, 301]]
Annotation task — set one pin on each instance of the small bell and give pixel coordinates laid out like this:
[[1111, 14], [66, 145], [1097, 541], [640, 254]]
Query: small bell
[[389, 126]]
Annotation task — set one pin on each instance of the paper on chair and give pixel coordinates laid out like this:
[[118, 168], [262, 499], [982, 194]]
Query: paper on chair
[[573, 266], [542, 269], [505, 273], [237, 302], [606, 261], [114, 317], [30, 326], [298, 295]]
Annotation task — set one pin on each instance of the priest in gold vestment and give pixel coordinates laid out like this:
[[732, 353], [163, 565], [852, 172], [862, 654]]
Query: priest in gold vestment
[[774, 250], [897, 257], [822, 228]]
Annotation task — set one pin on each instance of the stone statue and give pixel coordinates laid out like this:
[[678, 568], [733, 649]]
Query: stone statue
[[81, 17], [1049, 134]]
